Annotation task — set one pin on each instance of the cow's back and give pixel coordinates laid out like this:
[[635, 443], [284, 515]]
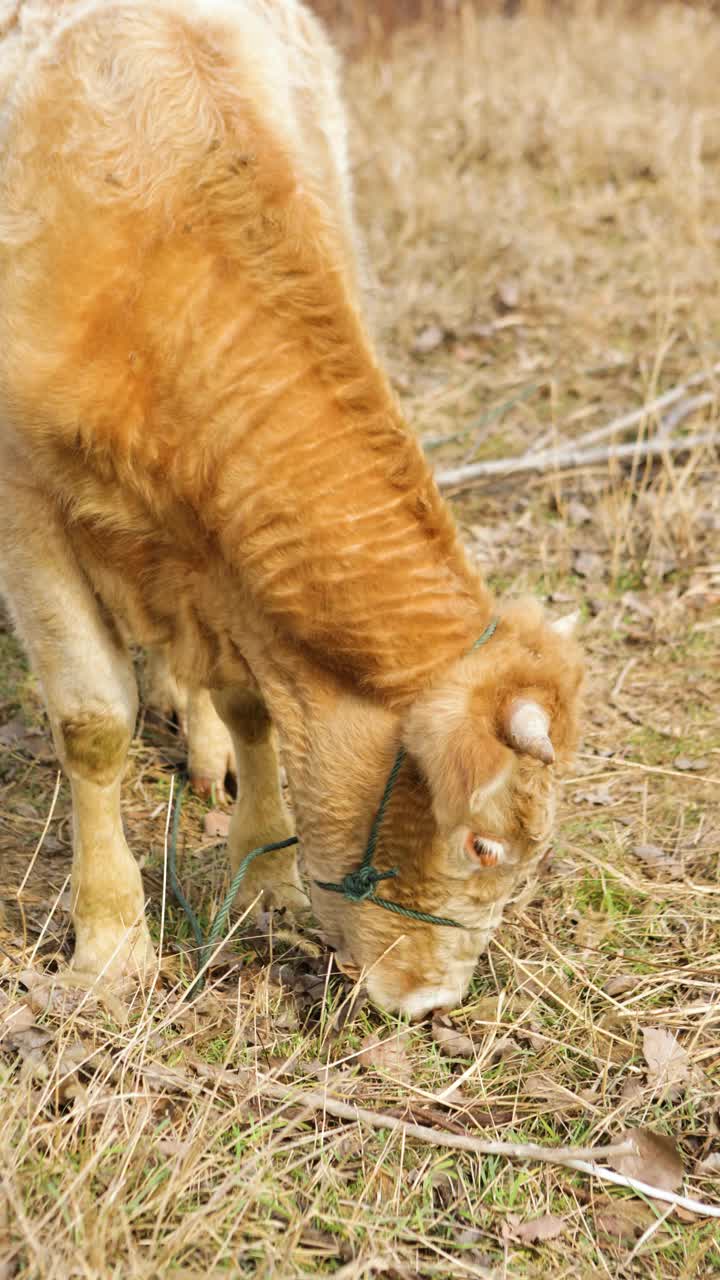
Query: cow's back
[[149, 152], [126, 125]]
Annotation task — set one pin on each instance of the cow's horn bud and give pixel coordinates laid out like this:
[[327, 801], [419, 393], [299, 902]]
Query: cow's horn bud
[[528, 731]]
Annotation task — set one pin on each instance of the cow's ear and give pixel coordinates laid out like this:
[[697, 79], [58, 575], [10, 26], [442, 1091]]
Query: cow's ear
[[460, 755]]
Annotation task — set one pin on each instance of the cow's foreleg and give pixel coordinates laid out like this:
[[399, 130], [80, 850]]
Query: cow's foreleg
[[260, 815], [91, 698]]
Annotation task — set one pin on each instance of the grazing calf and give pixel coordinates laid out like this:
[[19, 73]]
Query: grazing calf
[[199, 449]]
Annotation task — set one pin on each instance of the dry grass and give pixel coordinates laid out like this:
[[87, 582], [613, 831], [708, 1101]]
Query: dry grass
[[548, 198]]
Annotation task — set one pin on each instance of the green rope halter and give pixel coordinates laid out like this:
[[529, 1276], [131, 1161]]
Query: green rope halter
[[359, 885], [356, 886]]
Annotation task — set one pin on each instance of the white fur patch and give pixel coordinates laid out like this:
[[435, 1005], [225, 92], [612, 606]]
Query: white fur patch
[[425, 999], [482, 794]]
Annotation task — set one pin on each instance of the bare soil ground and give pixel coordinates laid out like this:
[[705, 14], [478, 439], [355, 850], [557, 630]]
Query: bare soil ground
[[541, 205]]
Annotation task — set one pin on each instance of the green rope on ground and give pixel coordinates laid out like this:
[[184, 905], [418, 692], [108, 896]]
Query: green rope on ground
[[206, 946], [223, 913], [356, 886], [172, 869]]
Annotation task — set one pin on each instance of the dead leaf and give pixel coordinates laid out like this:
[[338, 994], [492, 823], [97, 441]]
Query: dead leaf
[[545, 984], [73, 1057], [592, 928], [577, 512], [15, 1018], [174, 1148], [686, 1215], [452, 1043], [657, 859], [656, 1160], [216, 824], [710, 1166], [621, 984], [389, 1055], [25, 810], [465, 354], [587, 564], [638, 606], [546, 1227], [469, 1235], [651, 853], [596, 796], [429, 339], [504, 1047], [622, 1221], [631, 1092], [685, 763], [15, 735], [28, 1042], [507, 295], [560, 1098], [484, 1010], [668, 1063]]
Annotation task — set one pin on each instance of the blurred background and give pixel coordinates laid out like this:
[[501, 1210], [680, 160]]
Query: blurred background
[[357, 21]]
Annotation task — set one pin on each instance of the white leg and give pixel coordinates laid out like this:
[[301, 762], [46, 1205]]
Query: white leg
[[91, 699], [260, 815]]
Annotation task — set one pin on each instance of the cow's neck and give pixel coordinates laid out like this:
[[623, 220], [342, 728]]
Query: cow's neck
[[324, 503]]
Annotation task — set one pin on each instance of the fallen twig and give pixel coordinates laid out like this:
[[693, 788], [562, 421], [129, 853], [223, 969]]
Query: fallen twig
[[576, 453], [655, 1193], [683, 410], [578, 1158], [619, 762], [635, 416], [570, 458], [584, 1159], [266, 1087]]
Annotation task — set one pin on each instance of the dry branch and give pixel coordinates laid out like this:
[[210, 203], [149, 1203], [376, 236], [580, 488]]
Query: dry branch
[[567, 458], [619, 425], [578, 454], [683, 410], [584, 1160]]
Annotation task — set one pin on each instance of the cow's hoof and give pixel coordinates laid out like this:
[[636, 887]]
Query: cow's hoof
[[261, 902], [212, 787], [109, 953]]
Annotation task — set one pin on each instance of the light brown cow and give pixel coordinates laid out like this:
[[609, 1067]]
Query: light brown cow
[[198, 448]]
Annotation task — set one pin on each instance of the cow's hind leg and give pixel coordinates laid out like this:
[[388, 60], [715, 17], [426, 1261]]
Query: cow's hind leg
[[210, 748], [210, 756], [260, 815], [91, 698]]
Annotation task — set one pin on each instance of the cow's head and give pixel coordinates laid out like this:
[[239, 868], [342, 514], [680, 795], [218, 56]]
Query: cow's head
[[471, 812]]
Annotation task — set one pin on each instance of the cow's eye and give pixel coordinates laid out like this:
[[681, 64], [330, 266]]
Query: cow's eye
[[484, 852]]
